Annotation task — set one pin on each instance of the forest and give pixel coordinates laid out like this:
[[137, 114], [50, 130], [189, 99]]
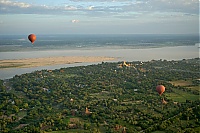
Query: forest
[[109, 97]]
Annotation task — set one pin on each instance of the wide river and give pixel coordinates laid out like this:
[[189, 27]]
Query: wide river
[[168, 53]]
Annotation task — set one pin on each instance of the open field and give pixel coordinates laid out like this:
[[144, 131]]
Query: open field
[[197, 88], [36, 62], [187, 84], [181, 96], [181, 83]]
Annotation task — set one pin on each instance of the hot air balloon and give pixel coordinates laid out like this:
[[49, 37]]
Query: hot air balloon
[[160, 89], [32, 38]]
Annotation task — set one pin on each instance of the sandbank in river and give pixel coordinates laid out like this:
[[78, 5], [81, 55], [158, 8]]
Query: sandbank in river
[[46, 61], [28, 61]]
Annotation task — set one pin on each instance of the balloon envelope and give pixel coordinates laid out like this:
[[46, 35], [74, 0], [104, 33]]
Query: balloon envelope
[[160, 89], [32, 38]]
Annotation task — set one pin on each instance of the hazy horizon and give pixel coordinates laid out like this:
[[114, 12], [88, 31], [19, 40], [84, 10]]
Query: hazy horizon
[[97, 41]]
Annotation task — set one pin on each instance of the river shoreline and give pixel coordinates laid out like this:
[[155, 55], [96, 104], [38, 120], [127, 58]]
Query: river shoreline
[[49, 61], [164, 53]]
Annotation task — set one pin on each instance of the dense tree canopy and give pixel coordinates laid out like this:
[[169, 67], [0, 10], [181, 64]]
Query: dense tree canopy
[[116, 98]]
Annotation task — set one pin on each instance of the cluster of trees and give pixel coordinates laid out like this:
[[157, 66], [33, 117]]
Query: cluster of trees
[[118, 98]]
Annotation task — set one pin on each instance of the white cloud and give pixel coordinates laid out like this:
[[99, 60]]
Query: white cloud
[[75, 21], [67, 7], [17, 4], [102, 7], [186, 6], [90, 7]]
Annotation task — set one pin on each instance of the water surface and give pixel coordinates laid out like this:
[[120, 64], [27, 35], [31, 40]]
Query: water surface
[[122, 47]]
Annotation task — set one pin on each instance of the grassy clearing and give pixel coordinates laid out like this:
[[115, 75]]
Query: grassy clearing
[[181, 83], [196, 88], [188, 84], [175, 97], [22, 114], [181, 96]]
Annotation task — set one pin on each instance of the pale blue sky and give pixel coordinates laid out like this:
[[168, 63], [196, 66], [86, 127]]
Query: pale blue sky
[[99, 16]]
